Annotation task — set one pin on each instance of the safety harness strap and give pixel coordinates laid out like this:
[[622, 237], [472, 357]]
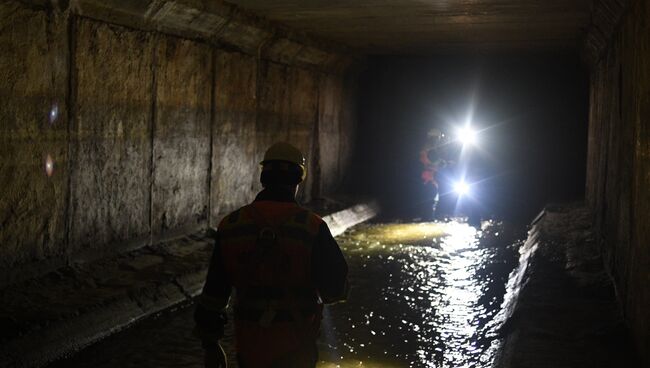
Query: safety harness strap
[[275, 301]]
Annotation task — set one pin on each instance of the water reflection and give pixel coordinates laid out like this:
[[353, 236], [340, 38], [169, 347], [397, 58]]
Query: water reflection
[[425, 295]]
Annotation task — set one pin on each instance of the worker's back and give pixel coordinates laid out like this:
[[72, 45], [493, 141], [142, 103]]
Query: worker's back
[[282, 262], [267, 253]]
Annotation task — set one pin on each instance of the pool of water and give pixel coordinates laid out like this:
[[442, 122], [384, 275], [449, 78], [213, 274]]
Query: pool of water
[[422, 295]]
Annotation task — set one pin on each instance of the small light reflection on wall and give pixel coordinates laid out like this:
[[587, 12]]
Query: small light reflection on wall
[[54, 113], [49, 165]]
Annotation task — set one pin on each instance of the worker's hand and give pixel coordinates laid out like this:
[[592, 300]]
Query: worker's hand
[[215, 357]]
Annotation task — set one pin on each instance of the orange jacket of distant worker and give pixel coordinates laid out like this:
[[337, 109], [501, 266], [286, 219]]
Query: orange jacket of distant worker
[[429, 171]]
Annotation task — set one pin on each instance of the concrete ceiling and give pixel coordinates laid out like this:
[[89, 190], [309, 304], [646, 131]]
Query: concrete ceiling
[[418, 26]]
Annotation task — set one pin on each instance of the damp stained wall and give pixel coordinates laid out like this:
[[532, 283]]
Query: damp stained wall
[[33, 134], [618, 174], [114, 137]]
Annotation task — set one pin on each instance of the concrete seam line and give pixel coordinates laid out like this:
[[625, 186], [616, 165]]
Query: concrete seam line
[[153, 117], [212, 123], [71, 107]]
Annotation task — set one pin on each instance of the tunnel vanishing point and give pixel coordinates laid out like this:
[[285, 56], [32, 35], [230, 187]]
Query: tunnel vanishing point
[[124, 124]]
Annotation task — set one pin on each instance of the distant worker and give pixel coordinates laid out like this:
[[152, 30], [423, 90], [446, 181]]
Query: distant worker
[[433, 159], [283, 264]]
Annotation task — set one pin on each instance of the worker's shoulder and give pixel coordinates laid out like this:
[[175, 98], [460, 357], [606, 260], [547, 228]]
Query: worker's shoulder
[[304, 214], [233, 217], [307, 219]]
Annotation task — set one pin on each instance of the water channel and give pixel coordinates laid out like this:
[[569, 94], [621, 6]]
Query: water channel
[[423, 295]]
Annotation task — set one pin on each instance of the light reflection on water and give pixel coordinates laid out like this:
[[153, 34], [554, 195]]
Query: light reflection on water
[[424, 295]]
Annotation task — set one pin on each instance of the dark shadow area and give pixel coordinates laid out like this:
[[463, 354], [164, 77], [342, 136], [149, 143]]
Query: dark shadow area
[[531, 112]]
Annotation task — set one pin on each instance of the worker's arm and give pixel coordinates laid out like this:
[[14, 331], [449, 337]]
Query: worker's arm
[[210, 313], [329, 267]]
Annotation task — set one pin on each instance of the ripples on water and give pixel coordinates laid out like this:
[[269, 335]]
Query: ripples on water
[[423, 295]]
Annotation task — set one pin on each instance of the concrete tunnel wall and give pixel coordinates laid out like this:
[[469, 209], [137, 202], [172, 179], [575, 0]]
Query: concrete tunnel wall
[[148, 134], [618, 174]]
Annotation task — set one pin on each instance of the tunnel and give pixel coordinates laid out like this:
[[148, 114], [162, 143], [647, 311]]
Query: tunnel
[[484, 167]]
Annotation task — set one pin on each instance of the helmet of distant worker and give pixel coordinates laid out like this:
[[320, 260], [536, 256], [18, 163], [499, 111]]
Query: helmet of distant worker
[[435, 133]]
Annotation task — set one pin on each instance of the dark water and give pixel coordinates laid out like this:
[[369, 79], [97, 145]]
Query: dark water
[[423, 295]]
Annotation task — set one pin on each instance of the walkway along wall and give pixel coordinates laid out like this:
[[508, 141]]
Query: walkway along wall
[[618, 175], [123, 123]]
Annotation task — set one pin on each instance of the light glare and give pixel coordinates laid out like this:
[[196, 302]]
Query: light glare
[[467, 135], [461, 188]]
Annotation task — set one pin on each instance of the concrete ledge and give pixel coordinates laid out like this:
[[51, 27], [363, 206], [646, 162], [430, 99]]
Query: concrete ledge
[[54, 315], [68, 309], [340, 221], [560, 308]]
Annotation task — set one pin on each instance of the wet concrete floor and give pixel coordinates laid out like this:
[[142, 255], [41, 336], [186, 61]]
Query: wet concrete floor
[[423, 295]]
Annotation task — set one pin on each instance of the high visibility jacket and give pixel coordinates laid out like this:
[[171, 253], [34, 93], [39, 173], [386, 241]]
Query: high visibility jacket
[[277, 313], [268, 245], [265, 252]]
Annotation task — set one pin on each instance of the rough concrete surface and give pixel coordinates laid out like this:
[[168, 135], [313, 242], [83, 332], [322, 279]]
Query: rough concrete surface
[[234, 148], [303, 115], [217, 22], [562, 309], [181, 16], [329, 116], [181, 145], [245, 36], [403, 26], [164, 134], [312, 56], [275, 114], [618, 183], [112, 127], [337, 129], [347, 129], [282, 50], [33, 135], [273, 105], [605, 17], [37, 325], [287, 101]]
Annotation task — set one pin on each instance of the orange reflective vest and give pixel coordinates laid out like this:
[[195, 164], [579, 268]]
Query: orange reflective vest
[[266, 248]]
